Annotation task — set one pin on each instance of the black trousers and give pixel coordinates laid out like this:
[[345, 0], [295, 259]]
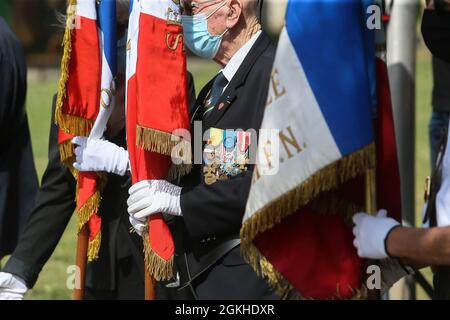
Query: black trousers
[[441, 282], [129, 283]]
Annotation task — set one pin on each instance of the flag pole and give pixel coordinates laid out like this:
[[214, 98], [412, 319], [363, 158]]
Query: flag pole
[[371, 208], [150, 286], [81, 261], [401, 59]]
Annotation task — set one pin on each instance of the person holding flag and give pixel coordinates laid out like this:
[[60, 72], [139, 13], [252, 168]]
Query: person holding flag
[[209, 204], [380, 237], [119, 271], [327, 148], [207, 210]]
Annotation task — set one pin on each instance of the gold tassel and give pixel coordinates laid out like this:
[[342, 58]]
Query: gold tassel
[[88, 209], [324, 180], [161, 142], [278, 283], [178, 171], [75, 125], [85, 213], [65, 63], [94, 247], [67, 153], [159, 268]]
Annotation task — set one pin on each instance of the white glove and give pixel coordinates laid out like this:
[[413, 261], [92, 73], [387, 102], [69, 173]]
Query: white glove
[[12, 287], [149, 197], [370, 234], [100, 155], [138, 225]]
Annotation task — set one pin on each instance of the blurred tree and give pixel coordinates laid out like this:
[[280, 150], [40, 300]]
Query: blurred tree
[[5, 10], [36, 25]]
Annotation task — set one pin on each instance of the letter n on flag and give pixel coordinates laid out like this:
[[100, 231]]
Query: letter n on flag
[[316, 145]]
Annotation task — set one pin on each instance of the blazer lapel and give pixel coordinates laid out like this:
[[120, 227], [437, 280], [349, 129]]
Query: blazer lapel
[[230, 95]]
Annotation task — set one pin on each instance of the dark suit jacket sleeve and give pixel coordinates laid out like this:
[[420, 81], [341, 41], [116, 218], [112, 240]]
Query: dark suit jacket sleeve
[[216, 210], [13, 85], [51, 213]]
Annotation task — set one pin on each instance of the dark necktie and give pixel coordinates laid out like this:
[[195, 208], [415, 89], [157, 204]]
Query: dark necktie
[[219, 83]]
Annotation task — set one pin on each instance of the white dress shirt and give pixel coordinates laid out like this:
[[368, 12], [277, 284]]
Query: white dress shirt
[[235, 62]]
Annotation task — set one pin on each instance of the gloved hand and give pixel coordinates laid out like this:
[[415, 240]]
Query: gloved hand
[[149, 197], [11, 287], [100, 155], [138, 225], [370, 234]]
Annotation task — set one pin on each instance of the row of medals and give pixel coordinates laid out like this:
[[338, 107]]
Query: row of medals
[[226, 154]]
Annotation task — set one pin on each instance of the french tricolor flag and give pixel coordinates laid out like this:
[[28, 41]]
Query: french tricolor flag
[[156, 108], [86, 98], [107, 25], [316, 152]]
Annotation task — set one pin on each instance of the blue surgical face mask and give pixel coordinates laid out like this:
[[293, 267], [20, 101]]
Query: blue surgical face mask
[[197, 37]]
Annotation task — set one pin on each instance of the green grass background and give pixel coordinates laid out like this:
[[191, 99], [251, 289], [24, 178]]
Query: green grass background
[[52, 281]]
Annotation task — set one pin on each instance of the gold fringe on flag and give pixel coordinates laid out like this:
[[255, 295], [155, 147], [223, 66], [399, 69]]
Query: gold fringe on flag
[[325, 180], [88, 209], [77, 126], [178, 171], [65, 63], [67, 156], [94, 247], [67, 152], [157, 267], [283, 288], [159, 141], [85, 213]]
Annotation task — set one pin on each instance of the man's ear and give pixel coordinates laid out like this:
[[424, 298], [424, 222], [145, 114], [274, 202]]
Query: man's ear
[[234, 14]]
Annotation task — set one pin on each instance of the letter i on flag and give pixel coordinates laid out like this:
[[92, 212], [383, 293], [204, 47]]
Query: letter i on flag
[[156, 108], [297, 230], [85, 99]]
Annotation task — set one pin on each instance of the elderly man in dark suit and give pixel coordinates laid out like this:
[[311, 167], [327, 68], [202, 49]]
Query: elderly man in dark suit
[[210, 202], [207, 207]]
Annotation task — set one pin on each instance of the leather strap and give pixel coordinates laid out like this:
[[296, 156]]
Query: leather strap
[[430, 213], [212, 258]]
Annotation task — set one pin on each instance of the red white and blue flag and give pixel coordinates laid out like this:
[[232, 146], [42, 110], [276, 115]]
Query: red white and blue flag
[[86, 98], [156, 108], [310, 176]]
